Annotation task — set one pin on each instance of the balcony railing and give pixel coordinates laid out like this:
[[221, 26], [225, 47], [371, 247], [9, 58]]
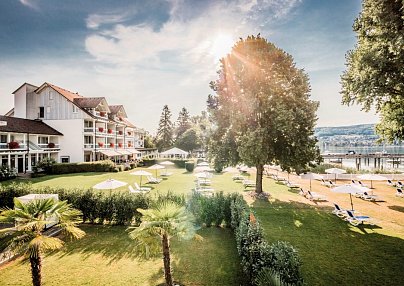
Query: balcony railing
[[49, 145], [101, 114], [89, 129], [5, 146]]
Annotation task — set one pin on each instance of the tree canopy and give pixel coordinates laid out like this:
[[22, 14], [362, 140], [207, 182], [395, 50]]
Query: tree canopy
[[164, 138], [183, 122], [262, 109], [375, 67]]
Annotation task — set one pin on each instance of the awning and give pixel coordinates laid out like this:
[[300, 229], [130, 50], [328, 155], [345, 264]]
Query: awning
[[124, 152], [110, 153], [133, 151]]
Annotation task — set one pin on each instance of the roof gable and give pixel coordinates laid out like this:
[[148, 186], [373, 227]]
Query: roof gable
[[20, 125]]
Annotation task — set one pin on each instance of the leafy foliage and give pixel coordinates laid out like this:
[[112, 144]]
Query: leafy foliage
[[268, 277], [374, 74], [7, 173], [189, 140], [183, 122], [189, 166], [262, 109]]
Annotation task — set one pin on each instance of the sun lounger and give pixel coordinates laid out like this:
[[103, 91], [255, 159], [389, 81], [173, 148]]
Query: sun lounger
[[312, 196], [368, 197], [391, 183], [249, 184], [400, 193], [362, 184], [142, 189], [356, 219], [166, 174], [204, 182], [153, 180], [328, 184], [339, 212], [137, 191], [292, 185], [400, 185], [238, 178]]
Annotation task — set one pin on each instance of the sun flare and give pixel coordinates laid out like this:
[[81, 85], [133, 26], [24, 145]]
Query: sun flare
[[221, 46]]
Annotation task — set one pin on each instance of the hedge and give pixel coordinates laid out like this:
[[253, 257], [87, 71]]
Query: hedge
[[256, 254], [189, 166], [97, 166], [96, 206]]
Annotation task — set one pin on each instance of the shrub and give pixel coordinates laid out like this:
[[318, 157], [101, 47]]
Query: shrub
[[269, 277], [284, 259], [189, 166], [45, 165], [179, 163], [96, 206], [7, 173], [97, 166]]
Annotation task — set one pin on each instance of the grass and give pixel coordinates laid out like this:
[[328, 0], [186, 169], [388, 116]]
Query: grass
[[106, 256], [332, 251]]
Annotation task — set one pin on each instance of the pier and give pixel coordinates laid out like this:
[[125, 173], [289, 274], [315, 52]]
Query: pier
[[375, 158]]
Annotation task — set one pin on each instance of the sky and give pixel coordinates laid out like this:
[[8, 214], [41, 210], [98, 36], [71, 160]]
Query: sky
[[145, 54]]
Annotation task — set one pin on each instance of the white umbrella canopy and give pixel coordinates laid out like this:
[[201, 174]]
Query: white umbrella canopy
[[231, 170], [311, 176], [167, 163], [141, 173], [371, 177], [350, 189], [109, 184], [201, 175], [335, 171], [203, 164], [203, 169], [156, 167]]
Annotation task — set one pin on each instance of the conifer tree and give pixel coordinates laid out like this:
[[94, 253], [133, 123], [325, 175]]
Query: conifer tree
[[164, 138]]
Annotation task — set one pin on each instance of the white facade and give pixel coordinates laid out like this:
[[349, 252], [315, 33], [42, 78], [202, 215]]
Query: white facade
[[90, 130]]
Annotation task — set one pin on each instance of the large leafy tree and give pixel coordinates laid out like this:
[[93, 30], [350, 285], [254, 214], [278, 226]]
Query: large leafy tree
[[375, 73], [28, 236], [262, 109], [183, 122], [159, 224], [164, 138], [189, 140]]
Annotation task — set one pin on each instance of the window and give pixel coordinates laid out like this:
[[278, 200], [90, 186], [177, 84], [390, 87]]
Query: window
[[50, 95], [43, 140], [48, 109], [41, 112], [65, 159], [75, 109], [3, 138]]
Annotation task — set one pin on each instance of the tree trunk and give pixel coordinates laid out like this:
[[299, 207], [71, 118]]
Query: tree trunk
[[167, 260], [258, 180], [36, 266]]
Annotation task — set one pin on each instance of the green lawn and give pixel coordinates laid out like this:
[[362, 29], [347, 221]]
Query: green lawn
[[332, 251], [106, 256]]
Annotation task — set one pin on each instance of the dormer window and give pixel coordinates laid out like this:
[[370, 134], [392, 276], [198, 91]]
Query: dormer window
[[75, 109]]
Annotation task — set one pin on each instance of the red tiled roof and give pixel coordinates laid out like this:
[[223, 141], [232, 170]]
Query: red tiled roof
[[66, 93], [20, 125], [88, 102]]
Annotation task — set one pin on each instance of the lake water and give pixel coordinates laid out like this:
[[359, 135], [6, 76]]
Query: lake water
[[385, 164]]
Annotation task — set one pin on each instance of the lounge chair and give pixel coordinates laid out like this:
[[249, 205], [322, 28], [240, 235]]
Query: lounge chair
[[312, 196], [391, 183], [339, 212], [249, 184], [303, 193], [400, 185], [328, 184], [166, 174], [204, 182], [354, 182], [141, 189], [238, 178], [356, 219], [400, 193], [362, 184], [292, 185], [133, 191], [368, 197], [153, 180]]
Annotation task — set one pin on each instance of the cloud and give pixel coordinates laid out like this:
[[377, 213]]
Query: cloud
[[30, 3], [94, 21]]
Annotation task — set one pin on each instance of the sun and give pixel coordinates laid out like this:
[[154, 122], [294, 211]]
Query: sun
[[221, 46]]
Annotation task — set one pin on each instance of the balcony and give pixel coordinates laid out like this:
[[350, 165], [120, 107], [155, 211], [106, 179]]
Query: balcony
[[6, 147], [100, 114], [89, 129], [51, 146]]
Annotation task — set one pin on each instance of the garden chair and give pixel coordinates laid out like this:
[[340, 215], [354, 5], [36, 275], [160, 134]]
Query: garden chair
[[204, 182], [303, 193], [133, 191], [238, 178], [312, 196], [355, 220], [141, 189], [400, 185], [153, 180], [292, 185], [400, 193], [362, 184], [368, 197], [166, 174], [249, 183], [339, 212], [391, 183]]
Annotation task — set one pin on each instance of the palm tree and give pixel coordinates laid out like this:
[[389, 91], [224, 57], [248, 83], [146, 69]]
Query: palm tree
[[159, 224], [28, 236]]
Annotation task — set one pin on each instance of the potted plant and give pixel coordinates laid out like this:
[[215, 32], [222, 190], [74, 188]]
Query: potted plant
[[51, 145], [109, 131], [120, 132], [13, 145], [101, 129], [101, 144], [129, 133], [111, 144], [129, 145], [120, 145], [102, 114]]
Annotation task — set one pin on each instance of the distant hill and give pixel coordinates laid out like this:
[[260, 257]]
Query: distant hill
[[361, 130]]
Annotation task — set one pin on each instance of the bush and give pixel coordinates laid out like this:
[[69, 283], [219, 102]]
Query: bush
[[7, 173], [189, 166], [96, 206], [97, 166], [284, 259], [179, 163], [148, 162], [269, 277], [45, 165]]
